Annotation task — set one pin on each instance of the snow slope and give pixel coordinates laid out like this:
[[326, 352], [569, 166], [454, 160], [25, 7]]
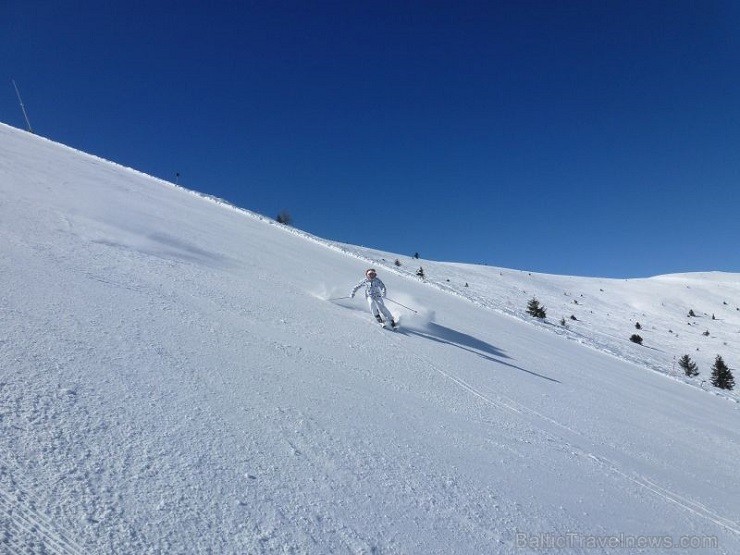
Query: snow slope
[[175, 379], [607, 311]]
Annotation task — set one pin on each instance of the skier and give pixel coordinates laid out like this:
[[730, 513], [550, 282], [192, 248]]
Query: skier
[[374, 292]]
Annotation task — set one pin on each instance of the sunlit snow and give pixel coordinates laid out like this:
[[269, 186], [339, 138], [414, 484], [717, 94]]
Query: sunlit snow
[[178, 375]]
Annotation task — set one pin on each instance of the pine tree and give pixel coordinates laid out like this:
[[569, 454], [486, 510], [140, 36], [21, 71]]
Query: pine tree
[[535, 309], [689, 366], [721, 375]]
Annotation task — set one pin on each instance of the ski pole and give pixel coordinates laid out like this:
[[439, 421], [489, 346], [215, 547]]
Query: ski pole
[[340, 298], [403, 305]]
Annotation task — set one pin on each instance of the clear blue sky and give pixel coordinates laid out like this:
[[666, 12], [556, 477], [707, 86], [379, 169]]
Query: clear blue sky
[[583, 138]]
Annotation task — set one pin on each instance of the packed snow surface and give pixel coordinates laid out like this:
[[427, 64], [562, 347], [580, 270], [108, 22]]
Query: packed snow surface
[[181, 376]]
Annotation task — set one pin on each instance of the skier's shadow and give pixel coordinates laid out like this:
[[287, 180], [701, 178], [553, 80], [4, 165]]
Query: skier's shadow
[[448, 336]]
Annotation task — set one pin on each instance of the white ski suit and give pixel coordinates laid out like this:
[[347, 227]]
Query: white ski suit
[[374, 292]]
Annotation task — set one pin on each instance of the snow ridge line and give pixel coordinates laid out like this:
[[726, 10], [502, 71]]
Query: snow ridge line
[[215, 200], [26, 520], [642, 481]]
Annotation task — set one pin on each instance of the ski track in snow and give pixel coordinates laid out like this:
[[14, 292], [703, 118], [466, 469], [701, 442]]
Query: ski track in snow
[[581, 446], [587, 452], [25, 528]]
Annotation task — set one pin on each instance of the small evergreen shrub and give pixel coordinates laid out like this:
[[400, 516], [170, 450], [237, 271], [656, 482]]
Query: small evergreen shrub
[[721, 375], [534, 308], [689, 366], [284, 218]]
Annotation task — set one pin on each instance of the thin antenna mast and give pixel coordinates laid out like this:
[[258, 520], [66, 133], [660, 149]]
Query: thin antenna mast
[[23, 108]]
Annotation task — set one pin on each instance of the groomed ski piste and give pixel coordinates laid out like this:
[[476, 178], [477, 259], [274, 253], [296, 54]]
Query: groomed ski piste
[[176, 378]]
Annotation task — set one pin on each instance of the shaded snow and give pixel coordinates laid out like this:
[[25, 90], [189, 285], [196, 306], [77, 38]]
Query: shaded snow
[[175, 379]]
